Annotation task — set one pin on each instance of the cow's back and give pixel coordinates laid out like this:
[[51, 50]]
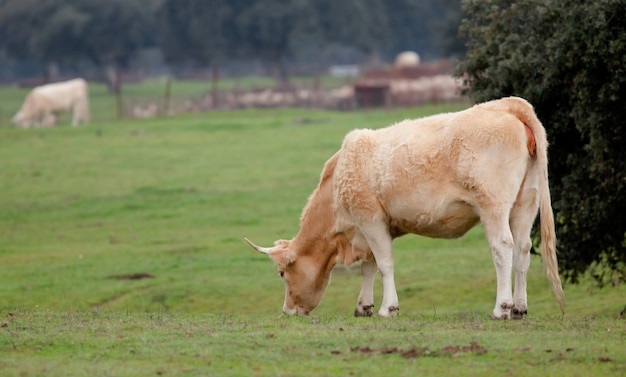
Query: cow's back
[[424, 175], [63, 96]]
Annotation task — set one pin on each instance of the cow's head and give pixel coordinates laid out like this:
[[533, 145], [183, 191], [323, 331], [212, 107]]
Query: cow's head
[[305, 276], [18, 120]]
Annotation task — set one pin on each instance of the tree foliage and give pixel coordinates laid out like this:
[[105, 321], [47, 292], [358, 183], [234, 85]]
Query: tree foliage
[[363, 24], [206, 31], [569, 60], [268, 30], [199, 30], [110, 32], [19, 21], [106, 32]]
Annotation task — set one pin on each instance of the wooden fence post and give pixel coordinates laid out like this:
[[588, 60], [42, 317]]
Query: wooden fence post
[[167, 95]]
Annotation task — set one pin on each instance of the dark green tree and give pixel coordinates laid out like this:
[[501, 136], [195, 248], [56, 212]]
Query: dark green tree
[[201, 31], [446, 30], [569, 60], [363, 24], [207, 31], [411, 25], [268, 29], [19, 22], [105, 32]]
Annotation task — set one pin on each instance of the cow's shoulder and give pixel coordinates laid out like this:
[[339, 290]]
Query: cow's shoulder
[[359, 141]]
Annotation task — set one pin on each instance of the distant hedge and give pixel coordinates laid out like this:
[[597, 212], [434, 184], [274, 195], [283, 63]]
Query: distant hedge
[[568, 58]]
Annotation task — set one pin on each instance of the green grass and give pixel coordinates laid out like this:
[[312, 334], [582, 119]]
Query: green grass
[[174, 196], [121, 344]]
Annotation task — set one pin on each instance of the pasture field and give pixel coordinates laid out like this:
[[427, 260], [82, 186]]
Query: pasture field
[[121, 254], [103, 104]]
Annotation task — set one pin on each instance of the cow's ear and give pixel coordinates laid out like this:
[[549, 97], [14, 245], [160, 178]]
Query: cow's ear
[[283, 257]]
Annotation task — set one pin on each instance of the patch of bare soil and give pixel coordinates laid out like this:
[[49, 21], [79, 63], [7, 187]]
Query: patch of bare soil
[[414, 352], [137, 276]]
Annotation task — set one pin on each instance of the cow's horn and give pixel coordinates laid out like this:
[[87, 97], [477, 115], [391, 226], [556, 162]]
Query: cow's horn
[[264, 250]]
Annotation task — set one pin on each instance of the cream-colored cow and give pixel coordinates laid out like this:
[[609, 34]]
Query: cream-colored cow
[[437, 177], [44, 102]]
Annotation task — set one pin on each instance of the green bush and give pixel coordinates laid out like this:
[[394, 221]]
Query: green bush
[[569, 60]]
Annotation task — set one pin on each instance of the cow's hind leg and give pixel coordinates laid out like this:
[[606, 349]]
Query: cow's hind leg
[[365, 305], [501, 244], [521, 263], [522, 218]]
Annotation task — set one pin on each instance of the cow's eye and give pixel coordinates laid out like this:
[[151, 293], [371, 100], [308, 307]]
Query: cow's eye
[[281, 273]]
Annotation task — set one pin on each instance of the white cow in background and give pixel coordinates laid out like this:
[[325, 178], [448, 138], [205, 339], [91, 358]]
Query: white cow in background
[[44, 102]]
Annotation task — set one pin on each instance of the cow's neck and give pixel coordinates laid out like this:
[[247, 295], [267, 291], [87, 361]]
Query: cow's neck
[[317, 222], [318, 236]]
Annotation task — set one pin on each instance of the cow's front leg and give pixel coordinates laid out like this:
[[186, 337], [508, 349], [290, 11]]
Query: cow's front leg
[[390, 306], [48, 120], [365, 305], [381, 245]]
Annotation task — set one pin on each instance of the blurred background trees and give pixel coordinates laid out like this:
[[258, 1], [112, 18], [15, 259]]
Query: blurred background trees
[[103, 33], [73, 34]]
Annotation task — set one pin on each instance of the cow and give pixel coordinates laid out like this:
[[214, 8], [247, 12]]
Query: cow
[[438, 177], [44, 102]]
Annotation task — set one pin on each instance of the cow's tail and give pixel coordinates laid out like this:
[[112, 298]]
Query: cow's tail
[[524, 112], [548, 236]]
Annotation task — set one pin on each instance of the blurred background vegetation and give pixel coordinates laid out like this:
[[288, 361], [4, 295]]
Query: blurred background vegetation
[[276, 37]]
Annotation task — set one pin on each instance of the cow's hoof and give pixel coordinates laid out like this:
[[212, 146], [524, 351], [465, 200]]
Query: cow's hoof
[[503, 311], [518, 313], [391, 311], [364, 311]]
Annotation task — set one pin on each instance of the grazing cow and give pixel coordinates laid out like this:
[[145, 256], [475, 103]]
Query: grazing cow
[[438, 177], [44, 102]]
